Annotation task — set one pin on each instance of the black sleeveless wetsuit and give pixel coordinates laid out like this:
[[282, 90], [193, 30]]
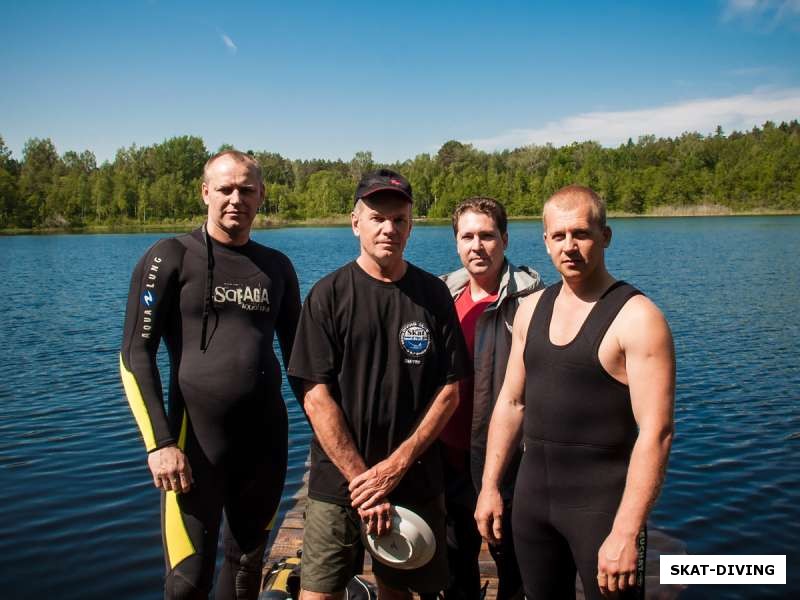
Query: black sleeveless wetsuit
[[579, 431], [225, 406]]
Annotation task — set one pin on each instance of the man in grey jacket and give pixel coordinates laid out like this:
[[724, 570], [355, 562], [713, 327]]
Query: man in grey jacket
[[486, 292]]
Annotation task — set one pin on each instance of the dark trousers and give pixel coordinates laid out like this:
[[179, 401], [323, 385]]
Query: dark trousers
[[464, 541]]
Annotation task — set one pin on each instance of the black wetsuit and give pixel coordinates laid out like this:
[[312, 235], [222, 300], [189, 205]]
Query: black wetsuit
[[579, 432], [225, 406]]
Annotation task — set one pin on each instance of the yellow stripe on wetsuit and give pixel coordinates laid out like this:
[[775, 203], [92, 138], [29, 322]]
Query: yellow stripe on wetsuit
[[138, 407], [182, 434], [176, 539]]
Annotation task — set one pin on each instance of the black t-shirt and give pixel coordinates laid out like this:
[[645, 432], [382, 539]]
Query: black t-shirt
[[384, 349]]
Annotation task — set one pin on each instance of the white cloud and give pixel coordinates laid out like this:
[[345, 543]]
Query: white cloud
[[753, 71], [611, 128], [774, 11], [739, 6], [229, 43], [788, 9]]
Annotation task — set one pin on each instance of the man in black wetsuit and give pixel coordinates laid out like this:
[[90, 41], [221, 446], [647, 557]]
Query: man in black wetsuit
[[590, 385], [217, 299], [379, 350]]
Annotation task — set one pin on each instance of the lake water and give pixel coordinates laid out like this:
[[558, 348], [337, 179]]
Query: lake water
[[80, 516]]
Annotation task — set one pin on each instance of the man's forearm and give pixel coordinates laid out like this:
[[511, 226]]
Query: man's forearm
[[436, 417], [331, 430], [505, 430], [376, 483], [646, 472]]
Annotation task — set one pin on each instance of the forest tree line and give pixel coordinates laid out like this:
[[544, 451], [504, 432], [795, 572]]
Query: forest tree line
[[754, 170]]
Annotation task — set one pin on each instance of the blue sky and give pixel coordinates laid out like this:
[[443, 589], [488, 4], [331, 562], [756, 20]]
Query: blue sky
[[327, 79]]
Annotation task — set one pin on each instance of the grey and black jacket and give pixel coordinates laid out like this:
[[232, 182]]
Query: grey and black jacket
[[492, 346]]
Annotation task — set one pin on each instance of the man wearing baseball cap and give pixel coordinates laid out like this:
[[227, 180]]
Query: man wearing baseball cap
[[379, 351]]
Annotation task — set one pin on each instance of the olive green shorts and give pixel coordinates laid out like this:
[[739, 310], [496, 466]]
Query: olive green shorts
[[333, 551]]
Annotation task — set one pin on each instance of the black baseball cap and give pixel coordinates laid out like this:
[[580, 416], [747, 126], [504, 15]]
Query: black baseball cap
[[383, 180]]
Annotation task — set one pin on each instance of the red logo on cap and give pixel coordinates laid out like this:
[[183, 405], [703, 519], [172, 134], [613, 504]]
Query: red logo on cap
[[395, 182]]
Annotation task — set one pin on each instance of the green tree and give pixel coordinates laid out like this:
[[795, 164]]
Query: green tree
[[125, 196], [41, 166], [360, 163], [102, 191], [420, 173], [328, 193], [8, 187], [455, 155], [73, 187], [183, 157], [166, 195], [275, 168]]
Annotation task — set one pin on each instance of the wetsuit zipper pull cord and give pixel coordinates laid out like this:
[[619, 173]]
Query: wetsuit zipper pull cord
[[209, 283]]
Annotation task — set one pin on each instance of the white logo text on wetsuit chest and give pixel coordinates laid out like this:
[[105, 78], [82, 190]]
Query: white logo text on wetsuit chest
[[246, 297]]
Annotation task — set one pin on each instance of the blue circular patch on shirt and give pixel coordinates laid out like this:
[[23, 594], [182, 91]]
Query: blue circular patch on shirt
[[415, 338]]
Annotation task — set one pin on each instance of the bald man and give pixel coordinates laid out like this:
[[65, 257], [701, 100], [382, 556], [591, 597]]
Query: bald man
[[217, 299], [590, 389]]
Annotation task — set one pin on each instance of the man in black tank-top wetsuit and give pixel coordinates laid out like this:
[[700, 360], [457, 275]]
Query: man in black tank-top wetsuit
[[590, 387], [217, 299]]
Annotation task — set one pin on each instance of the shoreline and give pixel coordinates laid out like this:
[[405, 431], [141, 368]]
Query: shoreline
[[263, 222]]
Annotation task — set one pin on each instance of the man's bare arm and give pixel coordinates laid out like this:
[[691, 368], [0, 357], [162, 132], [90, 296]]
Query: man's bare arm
[[331, 430], [646, 341], [505, 429], [376, 482]]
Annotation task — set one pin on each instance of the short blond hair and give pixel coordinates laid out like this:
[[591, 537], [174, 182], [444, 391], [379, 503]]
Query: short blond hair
[[236, 156], [571, 195]]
